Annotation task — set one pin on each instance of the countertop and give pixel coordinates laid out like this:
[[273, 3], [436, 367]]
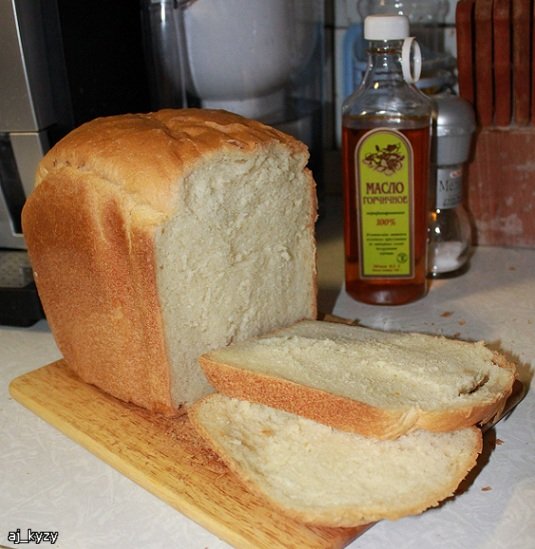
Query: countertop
[[49, 483]]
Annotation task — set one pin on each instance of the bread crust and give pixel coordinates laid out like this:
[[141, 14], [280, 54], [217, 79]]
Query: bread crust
[[343, 413], [160, 148], [90, 224], [98, 292]]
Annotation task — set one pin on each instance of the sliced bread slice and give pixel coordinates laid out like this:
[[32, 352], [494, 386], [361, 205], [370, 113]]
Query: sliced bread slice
[[326, 477], [356, 379]]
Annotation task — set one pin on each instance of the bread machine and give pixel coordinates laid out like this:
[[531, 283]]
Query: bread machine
[[61, 63], [25, 111]]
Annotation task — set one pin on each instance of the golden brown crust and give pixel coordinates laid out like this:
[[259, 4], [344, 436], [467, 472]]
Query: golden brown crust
[[96, 280], [160, 148], [344, 413], [327, 408], [90, 226]]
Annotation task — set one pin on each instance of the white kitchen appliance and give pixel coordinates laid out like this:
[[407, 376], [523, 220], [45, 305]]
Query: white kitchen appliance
[[261, 59]]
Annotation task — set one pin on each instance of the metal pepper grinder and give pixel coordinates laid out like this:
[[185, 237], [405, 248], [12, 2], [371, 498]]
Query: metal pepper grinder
[[450, 231]]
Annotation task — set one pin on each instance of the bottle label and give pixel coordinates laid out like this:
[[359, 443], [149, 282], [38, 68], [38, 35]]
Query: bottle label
[[384, 176], [449, 188]]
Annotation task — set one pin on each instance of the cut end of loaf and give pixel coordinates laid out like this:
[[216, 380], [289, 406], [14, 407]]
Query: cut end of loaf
[[236, 260], [332, 478]]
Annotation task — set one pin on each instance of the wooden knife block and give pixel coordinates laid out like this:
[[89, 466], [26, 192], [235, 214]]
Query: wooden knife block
[[496, 60], [500, 182]]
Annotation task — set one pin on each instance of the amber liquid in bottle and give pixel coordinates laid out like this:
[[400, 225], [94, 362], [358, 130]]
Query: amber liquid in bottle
[[387, 290]]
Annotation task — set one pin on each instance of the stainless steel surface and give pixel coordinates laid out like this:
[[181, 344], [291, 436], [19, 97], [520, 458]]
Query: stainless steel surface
[[8, 237], [26, 108], [29, 148], [61, 64], [20, 154], [25, 93]]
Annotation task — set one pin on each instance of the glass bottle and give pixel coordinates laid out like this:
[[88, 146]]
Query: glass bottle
[[425, 17], [386, 143], [450, 231], [427, 20]]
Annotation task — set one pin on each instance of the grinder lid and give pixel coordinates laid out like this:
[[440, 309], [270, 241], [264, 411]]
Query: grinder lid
[[455, 116]]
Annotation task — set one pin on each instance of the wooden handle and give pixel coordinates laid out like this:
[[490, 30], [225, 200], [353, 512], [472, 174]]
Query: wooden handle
[[502, 62], [521, 61], [464, 15], [484, 62]]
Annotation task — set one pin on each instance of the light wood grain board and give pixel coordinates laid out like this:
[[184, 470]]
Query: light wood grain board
[[166, 457]]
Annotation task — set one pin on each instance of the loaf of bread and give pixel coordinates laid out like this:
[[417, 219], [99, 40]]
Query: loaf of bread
[[326, 477], [380, 384], [157, 237]]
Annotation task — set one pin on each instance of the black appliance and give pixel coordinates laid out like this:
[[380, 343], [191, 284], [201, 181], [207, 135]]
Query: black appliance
[[62, 63]]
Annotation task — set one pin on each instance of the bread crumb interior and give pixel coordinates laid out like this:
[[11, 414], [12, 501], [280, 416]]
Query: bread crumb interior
[[235, 259], [380, 368], [308, 465]]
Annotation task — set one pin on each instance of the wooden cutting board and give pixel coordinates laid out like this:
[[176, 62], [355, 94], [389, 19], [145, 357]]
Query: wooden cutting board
[[166, 457]]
